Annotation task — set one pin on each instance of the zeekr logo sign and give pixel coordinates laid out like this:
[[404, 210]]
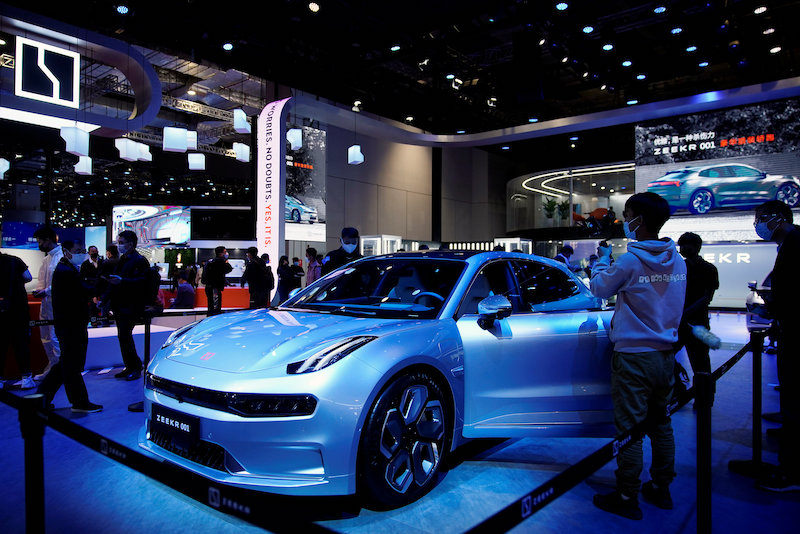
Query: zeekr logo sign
[[46, 73]]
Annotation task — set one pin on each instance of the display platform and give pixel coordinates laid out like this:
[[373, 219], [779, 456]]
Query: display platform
[[83, 487]]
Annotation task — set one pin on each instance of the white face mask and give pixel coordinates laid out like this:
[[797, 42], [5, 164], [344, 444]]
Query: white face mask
[[78, 259], [626, 228], [348, 248]]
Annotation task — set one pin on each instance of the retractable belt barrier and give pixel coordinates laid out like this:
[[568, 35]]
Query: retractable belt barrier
[[530, 503], [251, 505], [166, 313]]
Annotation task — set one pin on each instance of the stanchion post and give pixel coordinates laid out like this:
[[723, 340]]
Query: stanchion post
[[139, 406], [753, 468], [704, 388], [32, 428]]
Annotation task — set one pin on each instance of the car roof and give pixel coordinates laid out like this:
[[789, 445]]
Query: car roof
[[464, 255]]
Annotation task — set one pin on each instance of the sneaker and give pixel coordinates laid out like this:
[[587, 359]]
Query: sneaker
[[128, 374], [657, 495], [26, 383], [778, 481], [614, 503], [89, 408]]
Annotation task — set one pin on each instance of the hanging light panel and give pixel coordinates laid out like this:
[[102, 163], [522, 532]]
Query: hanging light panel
[[175, 139], [4, 166], [144, 152], [128, 148], [84, 166], [197, 162], [242, 152], [191, 140], [240, 122], [295, 138], [354, 155], [77, 140]]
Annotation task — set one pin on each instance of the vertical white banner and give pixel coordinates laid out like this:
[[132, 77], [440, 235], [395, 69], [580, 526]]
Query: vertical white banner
[[271, 180]]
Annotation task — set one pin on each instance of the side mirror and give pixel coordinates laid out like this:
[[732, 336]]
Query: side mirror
[[492, 309]]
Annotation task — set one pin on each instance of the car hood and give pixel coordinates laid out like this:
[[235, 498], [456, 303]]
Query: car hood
[[257, 340]]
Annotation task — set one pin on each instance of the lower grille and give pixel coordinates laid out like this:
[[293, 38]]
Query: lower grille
[[202, 452]]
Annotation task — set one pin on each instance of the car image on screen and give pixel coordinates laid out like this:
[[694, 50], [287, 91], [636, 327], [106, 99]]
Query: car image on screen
[[296, 211], [367, 380], [703, 188]]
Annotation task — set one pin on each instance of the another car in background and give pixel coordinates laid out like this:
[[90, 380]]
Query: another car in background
[[368, 379], [700, 189], [296, 211]]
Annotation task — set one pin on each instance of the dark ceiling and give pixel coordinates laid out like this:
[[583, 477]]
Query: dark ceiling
[[537, 61]]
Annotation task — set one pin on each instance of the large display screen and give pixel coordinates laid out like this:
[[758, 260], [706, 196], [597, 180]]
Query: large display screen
[[19, 235], [714, 168], [304, 203], [155, 226]]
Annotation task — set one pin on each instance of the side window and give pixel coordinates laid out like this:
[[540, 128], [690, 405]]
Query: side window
[[493, 279], [746, 171], [541, 283]]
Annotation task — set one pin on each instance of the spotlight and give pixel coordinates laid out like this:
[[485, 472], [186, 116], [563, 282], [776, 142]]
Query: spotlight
[[691, 48], [564, 59], [627, 63], [586, 74], [676, 30], [603, 87], [640, 76], [450, 76], [760, 9], [122, 9], [659, 10], [542, 41], [313, 7], [775, 50], [533, 119], [588, 29], [227, 47], [395, 48], [561, 6], [632, 102], [574, 138], [191, 92], [608, 47], [409, 118], [461, 131], [768, 31], [703, 64], [505, 147]]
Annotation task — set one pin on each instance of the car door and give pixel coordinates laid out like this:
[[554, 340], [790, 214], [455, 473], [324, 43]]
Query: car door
[[543, 371]]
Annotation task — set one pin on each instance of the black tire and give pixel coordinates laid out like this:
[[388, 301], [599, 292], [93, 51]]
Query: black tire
[[404, 441], [701, 202], [789, 194], [296, 216]]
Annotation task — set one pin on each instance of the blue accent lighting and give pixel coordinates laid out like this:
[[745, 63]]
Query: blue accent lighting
[[632, 102], [533, 119], [506, 147], [703, 64], [574, 138]]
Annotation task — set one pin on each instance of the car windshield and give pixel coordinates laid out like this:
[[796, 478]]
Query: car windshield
[[389, 287]]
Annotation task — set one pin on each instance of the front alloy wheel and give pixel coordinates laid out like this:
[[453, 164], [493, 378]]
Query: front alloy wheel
[[296, 216], [789, 194], [404, 441], [701, 202]]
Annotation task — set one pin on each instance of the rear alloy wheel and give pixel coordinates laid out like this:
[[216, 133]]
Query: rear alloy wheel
[[701, 202], [296, 216], [789, 194], [404, 441]]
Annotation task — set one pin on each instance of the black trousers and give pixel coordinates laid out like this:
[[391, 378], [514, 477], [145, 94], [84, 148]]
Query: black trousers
[[789, 379], [74, 340], [127, 347], [214, 296], [259, 299], [17, 334]]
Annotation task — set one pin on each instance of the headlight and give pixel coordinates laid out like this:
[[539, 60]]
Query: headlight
[[328, 355], [173, 337]]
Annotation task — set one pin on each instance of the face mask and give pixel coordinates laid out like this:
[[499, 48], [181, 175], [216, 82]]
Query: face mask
[[349, 248], [94, 256], [123, 249], [626, 228], [78, 259], [225, 255], [763, 231], [297, 263]]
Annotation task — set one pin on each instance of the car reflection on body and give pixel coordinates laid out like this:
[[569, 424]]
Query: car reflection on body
[[364, 381], [703, 188], [296, 211]]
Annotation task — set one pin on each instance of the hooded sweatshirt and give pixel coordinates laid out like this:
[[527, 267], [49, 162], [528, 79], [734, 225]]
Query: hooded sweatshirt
[[650, 284]]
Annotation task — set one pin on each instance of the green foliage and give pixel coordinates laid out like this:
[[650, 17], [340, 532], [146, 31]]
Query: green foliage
[[549, 206], [563, 209]]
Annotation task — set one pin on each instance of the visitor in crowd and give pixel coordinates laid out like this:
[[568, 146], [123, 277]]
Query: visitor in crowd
[[184, 296], [702, 280], [71, 295], [314, 269], [48, 243], [590, 265], [347, 252], [564, 254], [258, 277], [298, 272], [103, 289], [214, 279], [90, 270], [14, 317], [774, 222], [127, 294], [285, 278], [650, 284]]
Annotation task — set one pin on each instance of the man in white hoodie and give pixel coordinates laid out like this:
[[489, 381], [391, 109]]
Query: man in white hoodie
[[48, 243], [650, 284]]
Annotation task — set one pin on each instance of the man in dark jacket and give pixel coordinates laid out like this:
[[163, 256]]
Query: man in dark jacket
[[774, 223], [259, 280], [128, 289], [90, 270], [14, 317], [71, 295], [343, 255], [214, 279]]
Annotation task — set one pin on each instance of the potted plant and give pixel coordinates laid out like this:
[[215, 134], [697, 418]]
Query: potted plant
[[549, 206], [563, 210]]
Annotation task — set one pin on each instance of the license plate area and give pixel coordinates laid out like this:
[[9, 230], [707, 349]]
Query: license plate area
[[182, 430]]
